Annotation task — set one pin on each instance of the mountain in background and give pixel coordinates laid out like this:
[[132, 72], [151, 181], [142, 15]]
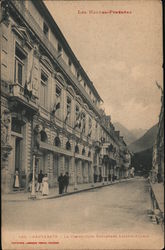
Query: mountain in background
[[142, 161], [145, 142], [128, 135], [138, 132]]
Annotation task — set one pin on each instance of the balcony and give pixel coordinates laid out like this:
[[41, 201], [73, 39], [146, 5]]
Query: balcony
[[18, 100], [48, 147], [51, 50]]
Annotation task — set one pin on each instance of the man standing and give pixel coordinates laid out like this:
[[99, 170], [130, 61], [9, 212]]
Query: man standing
[[39, 183], [61, 183], [66, 181]]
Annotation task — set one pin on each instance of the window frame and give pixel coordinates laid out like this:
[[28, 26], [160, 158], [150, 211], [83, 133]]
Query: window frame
[[58, 98], [68, 97], [19, 61], [45, 29], [44, 84]]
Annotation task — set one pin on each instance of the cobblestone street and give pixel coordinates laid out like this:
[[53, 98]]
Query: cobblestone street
[[117, 209]]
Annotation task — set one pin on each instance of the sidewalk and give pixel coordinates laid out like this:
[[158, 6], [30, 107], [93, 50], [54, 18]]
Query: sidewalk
[[53, 192], [158, 190]]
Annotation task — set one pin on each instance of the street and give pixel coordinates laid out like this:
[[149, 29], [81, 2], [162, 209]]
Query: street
[[121, 209]]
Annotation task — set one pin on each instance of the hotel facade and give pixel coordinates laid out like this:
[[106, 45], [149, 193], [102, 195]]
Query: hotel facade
[[50, 109]]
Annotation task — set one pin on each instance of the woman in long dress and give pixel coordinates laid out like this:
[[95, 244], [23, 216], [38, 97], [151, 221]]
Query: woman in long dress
[[16, 183], [45, 185]]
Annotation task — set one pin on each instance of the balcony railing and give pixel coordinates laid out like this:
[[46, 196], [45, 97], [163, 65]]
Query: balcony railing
[[17, 90]]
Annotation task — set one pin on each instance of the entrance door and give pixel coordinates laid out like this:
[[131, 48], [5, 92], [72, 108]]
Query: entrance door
[[18, 155], [83, 171], [43, 162], [67, 163]]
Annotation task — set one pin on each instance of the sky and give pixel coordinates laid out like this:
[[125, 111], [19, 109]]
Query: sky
[[121, 53]]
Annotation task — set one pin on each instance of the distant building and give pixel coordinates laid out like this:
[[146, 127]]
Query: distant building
[[50, 108]]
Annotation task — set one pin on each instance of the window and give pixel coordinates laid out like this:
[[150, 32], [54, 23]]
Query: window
[[19, 72], [68, 105], [59, 48], [83, 151], [68, 146], [68, 109], [77, 111], [83, 119], [77, 149], [45, 29], [16, 126], [89, 127], [69, 62], [57, 142], [58, 100], [78, 75], [85, 85], [58, 92], [89, 154], [44, 137], [44, 90]]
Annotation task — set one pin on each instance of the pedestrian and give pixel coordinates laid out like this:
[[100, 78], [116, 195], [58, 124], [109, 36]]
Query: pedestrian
[[39, 182], [30, 182], [100, 178], [16, 181], [66, 181], [61, 183], [45, 185], [95, 177]]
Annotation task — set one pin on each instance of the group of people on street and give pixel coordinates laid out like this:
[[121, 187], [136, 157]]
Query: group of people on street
[[41, 183], [63, 181], [99, 178]]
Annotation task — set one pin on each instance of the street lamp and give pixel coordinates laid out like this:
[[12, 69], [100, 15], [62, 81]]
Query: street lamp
[[33, 192]]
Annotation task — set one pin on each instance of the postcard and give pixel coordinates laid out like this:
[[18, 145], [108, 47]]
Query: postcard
[[82, 149]]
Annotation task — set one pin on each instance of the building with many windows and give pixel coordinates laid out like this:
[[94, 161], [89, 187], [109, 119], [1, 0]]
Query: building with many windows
[[50, 109]]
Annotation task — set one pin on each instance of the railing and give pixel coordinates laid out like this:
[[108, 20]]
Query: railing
[[48, 45], [18, 91]]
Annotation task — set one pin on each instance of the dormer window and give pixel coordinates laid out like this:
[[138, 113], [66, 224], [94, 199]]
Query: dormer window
[[45, 29]]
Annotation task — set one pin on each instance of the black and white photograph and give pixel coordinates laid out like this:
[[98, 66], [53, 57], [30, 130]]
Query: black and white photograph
[[82, 124]]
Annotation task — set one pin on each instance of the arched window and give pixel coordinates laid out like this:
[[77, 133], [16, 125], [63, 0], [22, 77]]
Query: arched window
[[44, 137], [77, 149], [57, 142], [68, 146], [83, 151]]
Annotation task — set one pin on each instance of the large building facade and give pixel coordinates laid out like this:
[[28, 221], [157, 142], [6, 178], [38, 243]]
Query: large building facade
[[49, 106]]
